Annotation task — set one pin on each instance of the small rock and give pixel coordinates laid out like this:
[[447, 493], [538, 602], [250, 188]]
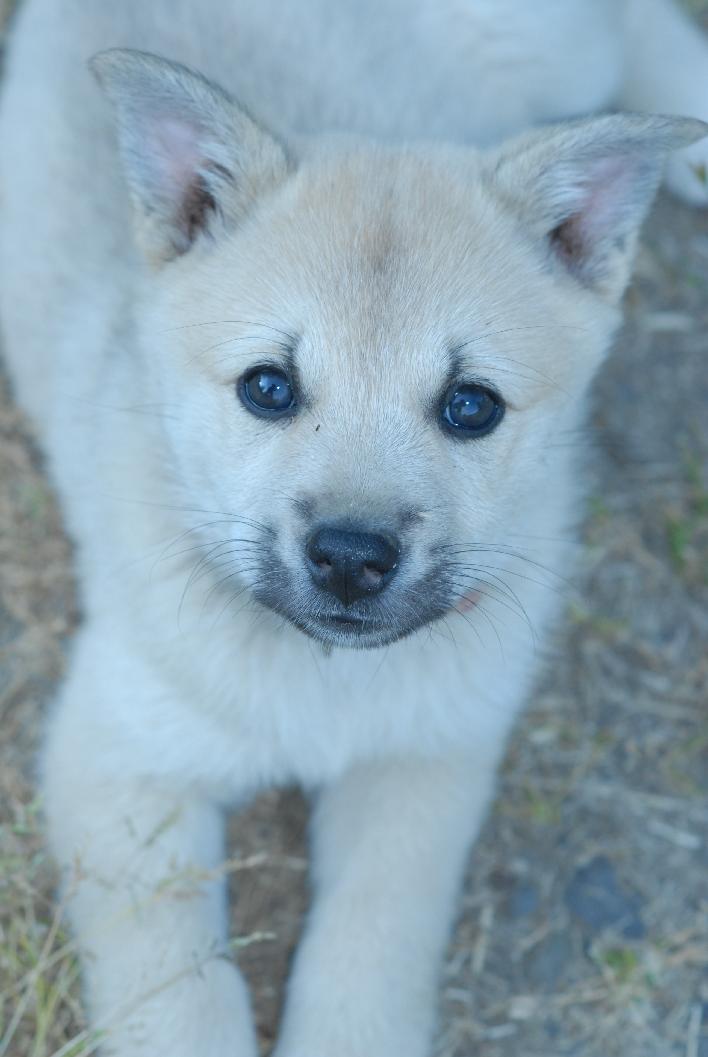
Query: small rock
[[595, 897]]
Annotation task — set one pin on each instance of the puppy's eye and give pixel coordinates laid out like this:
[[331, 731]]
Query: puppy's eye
[[267, 391], [471, 410]]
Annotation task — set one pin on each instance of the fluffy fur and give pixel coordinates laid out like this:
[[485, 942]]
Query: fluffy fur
[[156, 241]]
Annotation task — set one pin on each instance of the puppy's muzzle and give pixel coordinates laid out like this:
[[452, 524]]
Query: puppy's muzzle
[[351, 564]]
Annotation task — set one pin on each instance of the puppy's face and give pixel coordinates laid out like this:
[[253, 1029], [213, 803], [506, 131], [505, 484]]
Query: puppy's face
[[371, 357], [370, 375]]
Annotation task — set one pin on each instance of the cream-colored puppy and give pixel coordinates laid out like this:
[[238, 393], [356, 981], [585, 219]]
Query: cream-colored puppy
[[304, 397]]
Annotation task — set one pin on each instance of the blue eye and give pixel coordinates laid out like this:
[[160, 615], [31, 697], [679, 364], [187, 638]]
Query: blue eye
[[267, 391], [471, 410]]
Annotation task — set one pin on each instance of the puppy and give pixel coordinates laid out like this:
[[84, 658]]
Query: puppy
[[301, 381]]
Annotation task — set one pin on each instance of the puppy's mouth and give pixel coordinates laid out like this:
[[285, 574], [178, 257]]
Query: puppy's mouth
[[363, 631], [350, 631], [368, 623], [344, 630]]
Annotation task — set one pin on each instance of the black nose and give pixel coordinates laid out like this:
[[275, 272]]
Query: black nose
[[351, 564]]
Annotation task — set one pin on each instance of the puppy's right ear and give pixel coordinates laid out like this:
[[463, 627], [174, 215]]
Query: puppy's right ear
[[192, 158]]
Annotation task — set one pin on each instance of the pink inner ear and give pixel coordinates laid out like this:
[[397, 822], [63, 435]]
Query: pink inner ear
[[174, 148], [607, 195], [599, 210]]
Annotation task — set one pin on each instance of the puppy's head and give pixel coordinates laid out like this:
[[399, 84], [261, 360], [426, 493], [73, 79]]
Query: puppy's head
[[371, 353]]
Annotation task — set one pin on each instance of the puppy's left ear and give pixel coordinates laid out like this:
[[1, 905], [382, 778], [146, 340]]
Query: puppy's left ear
[[192, 158], [584, 188]]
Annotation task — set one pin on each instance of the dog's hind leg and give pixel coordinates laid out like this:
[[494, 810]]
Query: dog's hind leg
[[666, 71]]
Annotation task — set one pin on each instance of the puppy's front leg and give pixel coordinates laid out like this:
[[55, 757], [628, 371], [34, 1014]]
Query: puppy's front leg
[[390, 842], [141, 857]]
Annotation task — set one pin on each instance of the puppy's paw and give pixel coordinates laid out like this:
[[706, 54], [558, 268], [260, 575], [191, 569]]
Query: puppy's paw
[[687, 174]]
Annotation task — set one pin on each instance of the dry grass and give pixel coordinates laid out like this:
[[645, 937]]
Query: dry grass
[[584, 927]]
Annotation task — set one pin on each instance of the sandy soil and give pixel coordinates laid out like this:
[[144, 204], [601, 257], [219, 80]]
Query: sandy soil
[[584, 920]]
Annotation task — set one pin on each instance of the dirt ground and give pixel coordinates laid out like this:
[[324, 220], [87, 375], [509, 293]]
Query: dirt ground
[[584, 920]]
